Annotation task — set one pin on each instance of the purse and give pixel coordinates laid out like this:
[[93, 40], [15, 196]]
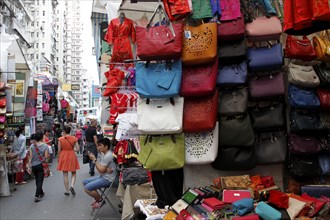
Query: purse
[[316, 191], [200, 113], [295, 206], [170, 215], [231, 196], [265, 211], [304, 166], [303, 76], [268, 117], [2, 119], [232, 50], [160, 116], [318, 204], [179, 205], [301, 49], [199, 80], [322, 46], [243, 206], [200, 44], [232, 75], [233, 102], [190, 196], [162, 152], [303, 145], [303, 98], [247, 217], [235, 182], [134, 176], [324, 97], [265, 58], [161, 42], [3, 102], [323, 73], [279, 199], [158, 80], [45, 165], [267, 86], [214, 203], [324, 163], [201, 9], [202, 148], [17, 166], [306, 124], [271, 147], [231, 130], [178, 9], [231, 30], [230, 10], [85, 157]]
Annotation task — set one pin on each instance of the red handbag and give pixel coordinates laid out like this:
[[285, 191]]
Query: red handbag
[[324, 96], [3, 102], [318, 204], [184, 215], [176, 9], [278, 198], [199, 80], [115, 78], [231, 30], [159, 42], [321, 10], [267, 181], [200, 113], [247, 217], [299, 49]]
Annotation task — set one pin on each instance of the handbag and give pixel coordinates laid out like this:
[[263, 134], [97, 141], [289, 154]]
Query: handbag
[[177, 9], [160, 116], [201, 9], [233, 102], [304, 166], [306, 124], [271, 147], [322, 46], [3, 102], [295, 206], [247, 217], [303, 145], [231, 30], [279, 199], [301, 49], [324, 97], [232, 75], [316, 191], [231, 130], [243, 206], [267, 86], [161, 42], [231, 196], [17, 166], [45, 165], [184, 215], [265, 58], [202, 148], [134, 175], [267, 117], [324, 163], [318, 204], [162, 152], [232, 50], [265, 211], [303, 98], [2, 119], [303, 76], [200, 113], [199, 80], [235, 182], [323, 73], [200, 44], [85, 157], [230, 10], [158, 80], [309, 205]]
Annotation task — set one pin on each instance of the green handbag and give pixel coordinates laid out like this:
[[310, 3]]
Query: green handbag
[[162, 152], [201, 9]]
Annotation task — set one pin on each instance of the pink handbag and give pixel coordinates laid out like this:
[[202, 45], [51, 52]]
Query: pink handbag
[[230, 10], [2, 119]]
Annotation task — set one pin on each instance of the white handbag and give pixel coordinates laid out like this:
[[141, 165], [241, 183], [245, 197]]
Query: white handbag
[[295, 206], [160, 116], [304, 76], [202, 148]]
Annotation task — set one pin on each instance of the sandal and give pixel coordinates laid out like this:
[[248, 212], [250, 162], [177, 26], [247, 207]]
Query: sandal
[[98, 204], [67, 194]]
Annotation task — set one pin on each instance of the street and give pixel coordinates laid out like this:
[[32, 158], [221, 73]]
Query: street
[[55, 205]]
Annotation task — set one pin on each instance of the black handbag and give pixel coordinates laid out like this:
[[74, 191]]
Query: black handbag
[[306, 123], [134, 175], [304, 166], [268, 117], [271, 147], [232, 50], [323, 73], [235, 159], [233, 102], [85, 157]]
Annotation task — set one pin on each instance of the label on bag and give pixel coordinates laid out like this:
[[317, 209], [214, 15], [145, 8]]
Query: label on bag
[[187, 34]]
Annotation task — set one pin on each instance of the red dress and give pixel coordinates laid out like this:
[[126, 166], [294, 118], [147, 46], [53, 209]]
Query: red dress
[[119, 36], [67, 160]]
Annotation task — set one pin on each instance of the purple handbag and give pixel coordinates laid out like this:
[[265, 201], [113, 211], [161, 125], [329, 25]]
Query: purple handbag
[[316, 190], [271, 85], [304, 144], [232, 75]]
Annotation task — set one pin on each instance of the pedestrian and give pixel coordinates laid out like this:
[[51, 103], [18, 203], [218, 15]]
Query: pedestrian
[[99, 133], [48, 141], [67, 159], [38, 155], [91, 143], [79, 136], [58, 134], [19, 149], [107, 168]]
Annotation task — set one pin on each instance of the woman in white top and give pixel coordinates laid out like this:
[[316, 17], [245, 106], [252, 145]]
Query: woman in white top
[[19, 148]]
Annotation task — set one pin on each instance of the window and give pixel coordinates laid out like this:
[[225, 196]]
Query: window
[[32, 34], [42, 54], [32, 56], [43, 45], [32, 23], [43, 2], [37, 45], [37, 34], [43, 34], [56, 58], [37, 56], [37, 23], [43, 13], [32, 44]]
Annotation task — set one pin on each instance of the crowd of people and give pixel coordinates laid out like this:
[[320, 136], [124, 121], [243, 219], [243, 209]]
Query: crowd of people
[[66, 143]]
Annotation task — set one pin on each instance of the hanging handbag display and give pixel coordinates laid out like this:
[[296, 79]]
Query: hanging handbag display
[[267, 86], [323, 73], [200, 113], [161, 42], [231, 30], [306, 123], [233, 102], [162, 152], [160, 116], [231, 130], [232, 75], [303, 145], [301, 49], [199, 80], [322, 46], [232, 51], [158, 80], [324, 97], [202, 148], [265, 58], [304, 166], [267, 117], [200, 44], [271, 147], [303, 98], [303, 76]]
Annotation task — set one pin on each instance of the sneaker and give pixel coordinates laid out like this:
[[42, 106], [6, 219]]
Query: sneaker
[[37, 199], [67, 194], [98, 204]]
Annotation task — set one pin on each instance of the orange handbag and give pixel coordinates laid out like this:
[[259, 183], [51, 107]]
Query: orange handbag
[[199, 44], [322, 46]]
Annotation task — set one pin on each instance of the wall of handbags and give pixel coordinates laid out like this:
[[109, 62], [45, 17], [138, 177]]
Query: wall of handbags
[[215, 90]]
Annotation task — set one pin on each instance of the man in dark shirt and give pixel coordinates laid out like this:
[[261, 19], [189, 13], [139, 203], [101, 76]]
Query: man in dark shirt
[[91, 143]]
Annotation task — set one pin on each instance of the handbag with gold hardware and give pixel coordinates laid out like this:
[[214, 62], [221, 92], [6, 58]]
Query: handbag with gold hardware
[[322, 46]]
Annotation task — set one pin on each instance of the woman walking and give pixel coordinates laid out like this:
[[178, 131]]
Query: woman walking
[[67, 159], [38, 155], [80, 140], [19, 148]]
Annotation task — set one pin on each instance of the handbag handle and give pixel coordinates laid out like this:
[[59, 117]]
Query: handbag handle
[[160, 9], [149, 138]]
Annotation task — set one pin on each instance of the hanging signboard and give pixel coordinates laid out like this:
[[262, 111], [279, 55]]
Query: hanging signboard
[[39, 115], [39, 88], [39, 101]]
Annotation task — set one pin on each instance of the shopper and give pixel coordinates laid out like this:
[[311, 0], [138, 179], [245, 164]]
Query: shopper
[[107, 169], [38, 149], [91, 143], [19, 148], [48, 141], [79, 136], [67, 159], [99, 133], [58, 134]]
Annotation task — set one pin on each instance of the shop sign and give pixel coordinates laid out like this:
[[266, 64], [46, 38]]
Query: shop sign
[[39, 115], [66, 87], [39, 87], [75, 87]]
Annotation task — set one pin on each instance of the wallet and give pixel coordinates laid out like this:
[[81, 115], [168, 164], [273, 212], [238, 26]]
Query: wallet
[[231, 196], [247, 217], [214, 203], [170, 215], [190, 196], [179, 205]]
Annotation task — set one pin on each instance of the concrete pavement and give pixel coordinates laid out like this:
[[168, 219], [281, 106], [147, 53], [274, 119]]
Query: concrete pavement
[[55, 205]]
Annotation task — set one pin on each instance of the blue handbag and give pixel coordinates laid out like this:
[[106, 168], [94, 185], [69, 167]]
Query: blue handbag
[[324, 162], [234, 74], [265, 58], [303, 98], [243, 206], [158, 80], [267, 212]]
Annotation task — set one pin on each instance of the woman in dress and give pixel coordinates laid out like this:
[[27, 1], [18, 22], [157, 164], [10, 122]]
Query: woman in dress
[[67, 159], [79, 135]]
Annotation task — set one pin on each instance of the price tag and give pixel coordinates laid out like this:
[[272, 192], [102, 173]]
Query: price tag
[[187, 34]]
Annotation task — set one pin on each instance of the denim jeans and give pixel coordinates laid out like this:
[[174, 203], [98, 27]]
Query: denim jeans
[[95, 182]]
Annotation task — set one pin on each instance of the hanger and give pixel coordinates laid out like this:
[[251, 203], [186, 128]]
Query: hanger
[[122, 15]]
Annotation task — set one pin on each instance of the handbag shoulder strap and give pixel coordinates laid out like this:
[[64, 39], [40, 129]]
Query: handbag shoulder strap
[[39, 155], [69, 142]]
